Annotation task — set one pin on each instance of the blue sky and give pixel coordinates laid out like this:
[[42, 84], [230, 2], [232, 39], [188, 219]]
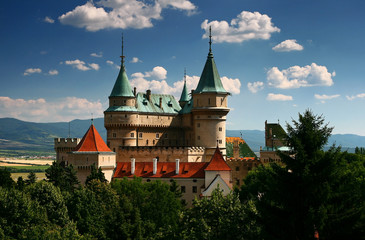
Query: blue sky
[[59, 59]]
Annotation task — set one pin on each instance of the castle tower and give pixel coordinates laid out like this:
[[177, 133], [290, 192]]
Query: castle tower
[[121, 112], [92, 150], [184, 98], [210, 108]]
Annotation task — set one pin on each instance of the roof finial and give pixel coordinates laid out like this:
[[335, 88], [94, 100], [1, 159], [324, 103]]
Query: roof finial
[[210, 39], [92, 119], [184, 75], [122, 51]]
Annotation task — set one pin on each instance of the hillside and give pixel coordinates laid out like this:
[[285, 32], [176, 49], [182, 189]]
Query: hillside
[[21, 135]]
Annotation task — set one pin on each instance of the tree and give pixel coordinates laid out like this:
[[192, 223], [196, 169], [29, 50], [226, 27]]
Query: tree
[[20, 183], [32, 178], [5, 178], [62, 176], [306, 194], [218, 217], [96, 174]]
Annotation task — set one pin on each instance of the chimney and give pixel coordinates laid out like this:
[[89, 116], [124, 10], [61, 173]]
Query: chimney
[[134, 91], [236, 149], [154, 166], [133, 165], [177, 166], [160, 104], [148, 95]]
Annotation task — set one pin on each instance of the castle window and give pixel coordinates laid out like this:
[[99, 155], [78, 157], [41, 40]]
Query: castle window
[[237, 168], [114, 135], [209, 101], [198, 125], [157, 135], [209, 116], [113, 149], [124, 102], [220, 141], [147, 116], [166, 136], [198, 137], [140, 135], [195, 189], [132, 135], [148, 180], [195, 180], [183, 189], [147, 142], [220, 129], [125, 116], [108, 144], [153, 142], [237, 182]]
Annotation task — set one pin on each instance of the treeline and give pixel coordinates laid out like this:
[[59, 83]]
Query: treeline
[[316, 195]]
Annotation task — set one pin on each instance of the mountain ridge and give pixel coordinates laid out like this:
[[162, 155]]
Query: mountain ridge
[[23, 135]]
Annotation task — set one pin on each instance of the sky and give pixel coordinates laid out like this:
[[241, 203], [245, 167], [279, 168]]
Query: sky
[[60, 59]]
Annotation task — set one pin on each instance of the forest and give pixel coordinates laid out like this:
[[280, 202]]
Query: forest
[[314, 194]]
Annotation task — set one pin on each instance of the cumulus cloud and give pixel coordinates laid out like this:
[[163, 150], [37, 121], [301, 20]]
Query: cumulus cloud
[[278, 97], [326, 97], [94, 16], [296, 77], [81, 65], [159, 84], [40, 110], [30, 71], [246, 26], [288, 46], [100, 54], [53, 72], [135, 60], [48, 20], [255, 86], [360, 95], [110, 62]]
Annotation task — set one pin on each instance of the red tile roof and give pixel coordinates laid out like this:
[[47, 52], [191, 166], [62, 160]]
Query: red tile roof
[[217, 162], [92, 142], [164, 170], [233, 139]]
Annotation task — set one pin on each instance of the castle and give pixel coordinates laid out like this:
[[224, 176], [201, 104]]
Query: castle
[[153, 136]]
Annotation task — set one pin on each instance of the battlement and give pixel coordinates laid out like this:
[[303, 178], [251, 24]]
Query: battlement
[[66, 142], [244, 159]]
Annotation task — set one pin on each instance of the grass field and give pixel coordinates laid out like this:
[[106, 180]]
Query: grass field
[[40, 176]]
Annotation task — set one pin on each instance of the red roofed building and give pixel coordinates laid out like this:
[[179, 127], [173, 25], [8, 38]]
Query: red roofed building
[[90, 150], [196, 179]]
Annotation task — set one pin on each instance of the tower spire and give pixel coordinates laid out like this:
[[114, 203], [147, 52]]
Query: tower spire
[[122, 57], [184, 75], [210, 39]]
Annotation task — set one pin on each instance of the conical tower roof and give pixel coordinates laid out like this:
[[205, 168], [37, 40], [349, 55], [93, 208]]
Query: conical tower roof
[[184, 95], [210, 80], [217, 162], [92, 142], [122, 88]]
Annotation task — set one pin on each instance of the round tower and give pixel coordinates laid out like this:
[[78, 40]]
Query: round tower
[[210, 108]]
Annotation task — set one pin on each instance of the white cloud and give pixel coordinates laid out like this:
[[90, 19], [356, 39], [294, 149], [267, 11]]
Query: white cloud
[[278, 97], [287, 46], [100, 54], [81, 65], [122, 14], [135, 60], [94, 66], [40, 110], [326, 97], [110, 62], [296, 77], [158, 84], [31, 71], [255, 86], [246, 26], [360, 95], [48, 20], [53, 72], [231, 85]]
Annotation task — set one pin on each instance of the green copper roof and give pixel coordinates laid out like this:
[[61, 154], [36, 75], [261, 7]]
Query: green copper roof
[[121, 109], [122, 88], [169, 105], [277, 130], [184, 95], [244, 150], [187, 107], [210, 80]]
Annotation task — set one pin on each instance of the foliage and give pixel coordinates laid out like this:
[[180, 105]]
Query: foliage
[[5, 178], [314, 191], [32, 178], [360, 150], [219, 217], [27, 169], [62, 176], [96, 174]]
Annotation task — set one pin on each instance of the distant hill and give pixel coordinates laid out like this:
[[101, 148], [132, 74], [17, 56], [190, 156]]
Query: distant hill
[[21, 135]]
